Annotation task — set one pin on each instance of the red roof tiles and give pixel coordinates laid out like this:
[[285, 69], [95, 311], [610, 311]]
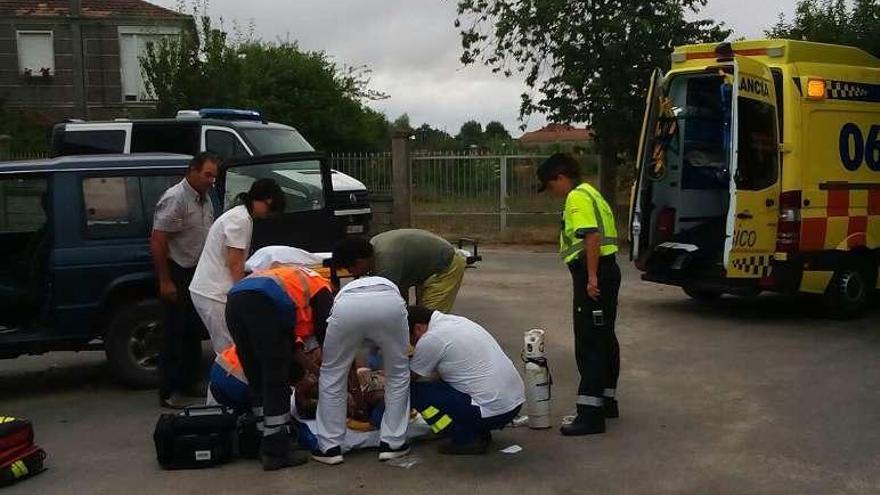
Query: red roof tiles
[[554, 133]]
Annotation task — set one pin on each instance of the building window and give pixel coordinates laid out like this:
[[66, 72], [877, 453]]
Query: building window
[[133, 44], [36, 53]]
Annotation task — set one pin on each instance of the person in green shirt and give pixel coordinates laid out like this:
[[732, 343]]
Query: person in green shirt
[[409, 258], [588, 246]]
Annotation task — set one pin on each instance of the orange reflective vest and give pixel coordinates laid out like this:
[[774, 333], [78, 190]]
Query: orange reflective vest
[[301, 284], [228, 360]]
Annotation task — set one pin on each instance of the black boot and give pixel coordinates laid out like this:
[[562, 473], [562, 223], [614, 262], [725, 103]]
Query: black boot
[[281, 450], [611, 409], [589, 421]]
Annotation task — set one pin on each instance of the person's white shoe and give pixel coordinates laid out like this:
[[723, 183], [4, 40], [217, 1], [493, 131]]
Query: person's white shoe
[[386, 453], [331, 457]]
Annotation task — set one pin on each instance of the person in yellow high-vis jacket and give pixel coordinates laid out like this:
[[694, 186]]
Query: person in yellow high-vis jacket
[[588, 246]]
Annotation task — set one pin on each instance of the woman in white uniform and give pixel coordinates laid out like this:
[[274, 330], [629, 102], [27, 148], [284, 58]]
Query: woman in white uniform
[[222, 261]]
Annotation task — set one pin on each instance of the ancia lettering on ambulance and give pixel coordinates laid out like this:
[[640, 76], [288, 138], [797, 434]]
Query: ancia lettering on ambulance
[[754, 87]]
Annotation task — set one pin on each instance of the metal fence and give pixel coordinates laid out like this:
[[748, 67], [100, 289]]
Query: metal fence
[[482, 195], [487, 196], [373, 169]]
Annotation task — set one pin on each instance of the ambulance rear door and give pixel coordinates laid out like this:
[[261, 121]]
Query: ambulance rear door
[[638, 216], [755, 184]]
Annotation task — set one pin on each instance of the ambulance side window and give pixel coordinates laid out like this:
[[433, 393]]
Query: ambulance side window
[[758, 149]]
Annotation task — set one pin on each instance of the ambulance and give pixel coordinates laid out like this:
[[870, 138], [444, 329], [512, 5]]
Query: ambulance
[[759, 170]]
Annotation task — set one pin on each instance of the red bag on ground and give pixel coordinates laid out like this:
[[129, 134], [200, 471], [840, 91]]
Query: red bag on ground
[[19, 457]]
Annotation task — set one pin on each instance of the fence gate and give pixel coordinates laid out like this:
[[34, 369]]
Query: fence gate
[[482, 196]]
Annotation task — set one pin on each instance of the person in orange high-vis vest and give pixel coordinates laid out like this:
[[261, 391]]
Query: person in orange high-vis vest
[[275, 316]]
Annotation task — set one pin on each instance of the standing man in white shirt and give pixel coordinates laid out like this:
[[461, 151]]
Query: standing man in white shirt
[[181, 221], [369, 309], [226, 248], [479, 389]]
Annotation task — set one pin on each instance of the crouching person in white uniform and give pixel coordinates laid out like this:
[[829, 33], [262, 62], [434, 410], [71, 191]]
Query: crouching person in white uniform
[[370, 310], [479, 389]]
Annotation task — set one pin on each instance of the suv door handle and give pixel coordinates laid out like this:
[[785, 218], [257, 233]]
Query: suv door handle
[[745, 215], [770, 202]]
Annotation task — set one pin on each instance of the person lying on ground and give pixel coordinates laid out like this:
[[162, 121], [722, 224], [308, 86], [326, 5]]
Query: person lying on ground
[[478, 390]]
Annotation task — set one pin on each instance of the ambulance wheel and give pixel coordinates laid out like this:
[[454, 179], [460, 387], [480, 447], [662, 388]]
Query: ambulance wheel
[[702, 295], [132, 343], [848, 293]]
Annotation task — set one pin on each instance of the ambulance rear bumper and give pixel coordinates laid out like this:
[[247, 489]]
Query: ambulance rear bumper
[[740, 287]]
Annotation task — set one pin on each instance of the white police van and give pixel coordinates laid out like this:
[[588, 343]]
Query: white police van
[[231, 133]]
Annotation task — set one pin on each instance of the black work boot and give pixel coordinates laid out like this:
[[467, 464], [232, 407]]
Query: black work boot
[[589, 421], [611, 409], [281, 450]]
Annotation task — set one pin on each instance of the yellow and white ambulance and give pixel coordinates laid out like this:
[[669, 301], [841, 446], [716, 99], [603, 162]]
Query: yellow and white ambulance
[[759, 169]]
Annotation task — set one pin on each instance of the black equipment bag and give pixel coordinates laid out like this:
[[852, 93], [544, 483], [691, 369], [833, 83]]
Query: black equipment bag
[[249, 437], [196, 438], [19, 457]]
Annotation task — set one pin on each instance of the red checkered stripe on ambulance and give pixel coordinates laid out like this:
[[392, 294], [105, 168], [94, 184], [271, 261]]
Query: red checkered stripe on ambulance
[[851, 219]]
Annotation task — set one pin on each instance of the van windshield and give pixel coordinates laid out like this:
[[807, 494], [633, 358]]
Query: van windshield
[[276, 141], [300, 180]]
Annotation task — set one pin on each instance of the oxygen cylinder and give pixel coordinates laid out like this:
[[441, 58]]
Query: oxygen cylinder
[[538, 380]]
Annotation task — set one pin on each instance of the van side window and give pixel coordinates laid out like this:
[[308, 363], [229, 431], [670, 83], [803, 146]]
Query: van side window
[[225, 144], [758, 146], [163, 138], [91, 142]]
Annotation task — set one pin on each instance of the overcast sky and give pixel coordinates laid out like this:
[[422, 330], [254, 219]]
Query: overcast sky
[[413, 50]]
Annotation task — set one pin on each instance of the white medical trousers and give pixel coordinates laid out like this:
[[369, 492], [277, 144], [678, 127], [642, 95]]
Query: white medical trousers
[[213, 315], [374, 313]]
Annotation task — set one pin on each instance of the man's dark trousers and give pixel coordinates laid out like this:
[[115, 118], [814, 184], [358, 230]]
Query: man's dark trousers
[[182, 329]]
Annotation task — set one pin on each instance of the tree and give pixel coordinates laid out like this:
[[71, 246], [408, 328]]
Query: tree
[[305, 89], [583, 60], [401, 123], [430, 139], [471, 135], [841, 22], [495, 131]]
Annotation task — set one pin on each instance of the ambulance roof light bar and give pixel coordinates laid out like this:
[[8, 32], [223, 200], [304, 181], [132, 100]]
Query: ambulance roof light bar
[[724, 52]]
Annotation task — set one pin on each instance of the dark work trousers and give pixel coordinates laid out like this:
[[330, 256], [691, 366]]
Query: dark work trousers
[[596, 349], [182, 330], [264, 342], [447, 410]]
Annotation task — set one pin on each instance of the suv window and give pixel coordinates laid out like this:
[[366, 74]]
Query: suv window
[[225, 144], [90, 142], [758, 146], [121, 207], [22, 204], [165, 138]]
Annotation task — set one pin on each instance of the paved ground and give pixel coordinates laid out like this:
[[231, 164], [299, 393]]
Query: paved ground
[[741, 396]]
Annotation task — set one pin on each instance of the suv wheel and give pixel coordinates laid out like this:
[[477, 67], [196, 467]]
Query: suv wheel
[[848, 293], [133, 342]]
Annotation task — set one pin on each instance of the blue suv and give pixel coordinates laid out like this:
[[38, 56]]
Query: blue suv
[[75, 266]]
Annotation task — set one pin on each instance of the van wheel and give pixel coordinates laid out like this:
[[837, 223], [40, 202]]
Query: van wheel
[[848, 293], [133, 341], [702, 295]]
